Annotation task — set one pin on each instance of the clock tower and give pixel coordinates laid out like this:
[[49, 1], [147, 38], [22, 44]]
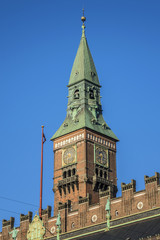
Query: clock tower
[[84, 145]]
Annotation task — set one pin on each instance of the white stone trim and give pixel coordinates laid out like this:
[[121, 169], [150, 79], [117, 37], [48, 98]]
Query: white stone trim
[[92, 208], [139, 194], [72, 214], [53, 219], [116, 201], [101, 140], [77, 137]]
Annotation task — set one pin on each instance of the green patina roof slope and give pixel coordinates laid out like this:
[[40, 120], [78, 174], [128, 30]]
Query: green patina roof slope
[[84, 122], [83, 66], [84, 108]]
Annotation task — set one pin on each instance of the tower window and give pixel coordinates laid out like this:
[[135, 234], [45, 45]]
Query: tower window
[[96, 171], [76, 94], [69, 173], [91, 94], [64, 175], [101, 173], [105, 175], [73, 171]]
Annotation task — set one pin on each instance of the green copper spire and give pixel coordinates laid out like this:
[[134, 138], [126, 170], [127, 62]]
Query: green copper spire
[[84, 109], [83, 66]]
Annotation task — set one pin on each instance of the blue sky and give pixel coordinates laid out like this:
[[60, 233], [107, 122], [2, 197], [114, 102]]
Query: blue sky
[[38, 44]]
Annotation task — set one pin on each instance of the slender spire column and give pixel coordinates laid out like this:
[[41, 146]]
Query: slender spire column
[[83, 19]]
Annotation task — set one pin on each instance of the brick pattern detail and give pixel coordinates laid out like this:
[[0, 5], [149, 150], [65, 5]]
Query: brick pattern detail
[[80, 205], [84, 141], [130, 203]]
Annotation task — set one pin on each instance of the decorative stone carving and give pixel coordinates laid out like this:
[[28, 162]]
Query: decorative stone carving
[[73, 225], [94, 218], [140, 205], [36, 229], [53, 229]]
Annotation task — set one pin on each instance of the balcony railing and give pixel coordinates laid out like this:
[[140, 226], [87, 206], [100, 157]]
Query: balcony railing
[[68, 180]]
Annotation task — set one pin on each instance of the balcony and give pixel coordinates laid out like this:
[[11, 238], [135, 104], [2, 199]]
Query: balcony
[[101, 183], [67, 184], [68, 180]]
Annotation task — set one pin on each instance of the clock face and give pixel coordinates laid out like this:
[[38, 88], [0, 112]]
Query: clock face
[[69, 156], [101, 156]]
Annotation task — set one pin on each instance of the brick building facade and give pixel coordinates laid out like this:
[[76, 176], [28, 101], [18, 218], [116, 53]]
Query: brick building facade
[[85, 173]]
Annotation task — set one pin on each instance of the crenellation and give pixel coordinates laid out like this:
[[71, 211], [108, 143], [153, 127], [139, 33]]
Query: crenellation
[[10, 222], [129, 186], [87, 214], [26, 217], [61, 206], [47, 211], [154, 178], [104, 193], [84, 199]]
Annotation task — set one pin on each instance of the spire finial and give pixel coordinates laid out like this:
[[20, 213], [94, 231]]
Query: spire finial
[[83, 19]]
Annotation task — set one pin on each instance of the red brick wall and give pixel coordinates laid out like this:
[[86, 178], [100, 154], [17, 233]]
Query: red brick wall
[[92, 210], [85, 165], [131, 202]]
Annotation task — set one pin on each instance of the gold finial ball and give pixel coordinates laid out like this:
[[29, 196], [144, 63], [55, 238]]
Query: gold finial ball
[[83, 18]]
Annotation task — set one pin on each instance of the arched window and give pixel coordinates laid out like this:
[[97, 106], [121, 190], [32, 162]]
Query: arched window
[[73, 171], [91, 94], [101, 173], [64, 175], [76, 94], [69, 173], [116, 213], [105, 175]]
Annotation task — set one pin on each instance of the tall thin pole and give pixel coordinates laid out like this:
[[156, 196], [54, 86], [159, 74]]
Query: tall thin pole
[[41, 178]]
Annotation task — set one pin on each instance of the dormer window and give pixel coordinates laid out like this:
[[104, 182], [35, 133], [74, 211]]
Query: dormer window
[[93, 74], [76, 94]]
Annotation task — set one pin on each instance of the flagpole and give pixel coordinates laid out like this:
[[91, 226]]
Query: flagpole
[[41, 178]]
